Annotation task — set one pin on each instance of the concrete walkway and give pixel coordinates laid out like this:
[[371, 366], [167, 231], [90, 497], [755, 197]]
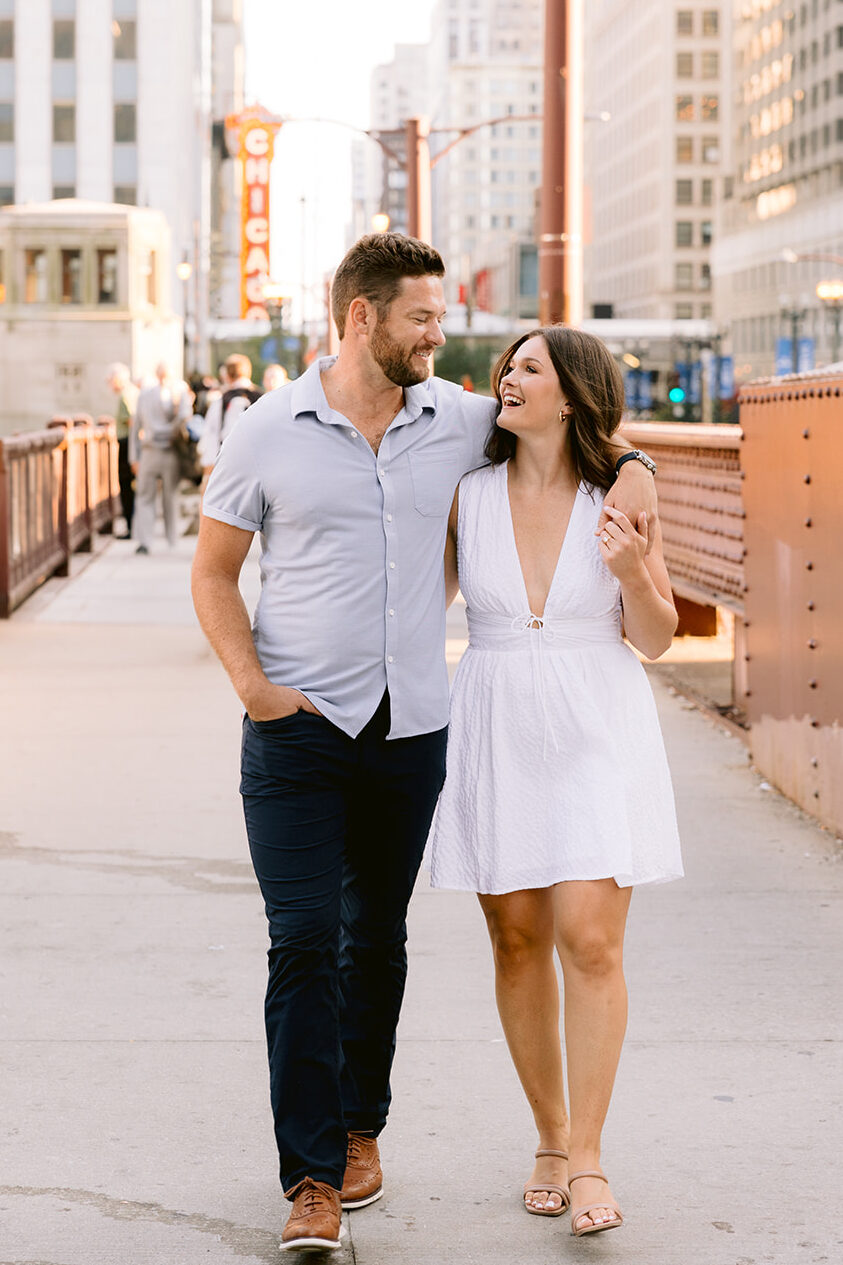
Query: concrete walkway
[[134, 1121]]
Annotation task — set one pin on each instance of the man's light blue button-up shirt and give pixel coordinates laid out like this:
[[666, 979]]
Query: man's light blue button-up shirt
[[352, 590]]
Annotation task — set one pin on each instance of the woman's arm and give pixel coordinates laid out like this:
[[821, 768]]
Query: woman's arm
[[452, 580], [633, 492], [649, 616]]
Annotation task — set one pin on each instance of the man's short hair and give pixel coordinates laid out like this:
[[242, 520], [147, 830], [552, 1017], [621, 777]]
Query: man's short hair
[[238, 366], [373, 269]]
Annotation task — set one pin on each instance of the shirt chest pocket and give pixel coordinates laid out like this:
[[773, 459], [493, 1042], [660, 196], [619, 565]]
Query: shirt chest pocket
[[434, 480]]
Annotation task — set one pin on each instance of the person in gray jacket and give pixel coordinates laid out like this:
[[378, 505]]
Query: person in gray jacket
[[161, 411]]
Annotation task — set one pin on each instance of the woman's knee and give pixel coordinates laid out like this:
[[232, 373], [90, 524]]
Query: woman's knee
[[517, 942], [591, 952]]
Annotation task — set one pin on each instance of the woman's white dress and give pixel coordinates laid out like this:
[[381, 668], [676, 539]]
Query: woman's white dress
[[556, 765]]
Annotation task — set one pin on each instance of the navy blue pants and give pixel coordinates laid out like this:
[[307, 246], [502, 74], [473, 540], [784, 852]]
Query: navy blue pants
[[337, 828]]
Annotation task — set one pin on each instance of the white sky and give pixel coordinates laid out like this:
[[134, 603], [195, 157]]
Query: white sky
[[314, 59]]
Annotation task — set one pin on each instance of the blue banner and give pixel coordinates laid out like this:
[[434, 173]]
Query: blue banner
[[805, 355], [695, 383], [645, 390], [784, 357], [684, 370], [725, 377]]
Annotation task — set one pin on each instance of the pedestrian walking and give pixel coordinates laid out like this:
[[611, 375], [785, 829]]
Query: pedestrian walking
[[348, 473], [274, 376], [557, 799], [238, 392], [162, 410], [120, 380]]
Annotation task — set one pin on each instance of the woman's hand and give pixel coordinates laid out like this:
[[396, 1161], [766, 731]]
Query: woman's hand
[[622, 547], [634, 490]]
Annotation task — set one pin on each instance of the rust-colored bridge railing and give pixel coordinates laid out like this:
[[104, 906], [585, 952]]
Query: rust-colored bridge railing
[[701, 511], [57, 487]]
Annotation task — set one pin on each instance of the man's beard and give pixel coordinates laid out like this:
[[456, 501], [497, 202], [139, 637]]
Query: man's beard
[[394, 361]]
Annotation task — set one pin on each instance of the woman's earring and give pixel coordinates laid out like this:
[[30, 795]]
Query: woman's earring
[[563, 416]]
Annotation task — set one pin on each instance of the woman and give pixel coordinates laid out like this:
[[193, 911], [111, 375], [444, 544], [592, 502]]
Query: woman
[[557, 798]]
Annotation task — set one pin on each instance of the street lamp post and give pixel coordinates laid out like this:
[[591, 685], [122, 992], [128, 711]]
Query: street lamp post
[[274, 298], [184, 271], [830, 294]]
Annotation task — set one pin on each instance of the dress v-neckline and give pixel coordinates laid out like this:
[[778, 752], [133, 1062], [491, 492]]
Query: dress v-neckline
[[519, 567]]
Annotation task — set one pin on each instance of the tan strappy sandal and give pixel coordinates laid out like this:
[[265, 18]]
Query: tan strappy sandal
[[535, 1188], [587, 1209]]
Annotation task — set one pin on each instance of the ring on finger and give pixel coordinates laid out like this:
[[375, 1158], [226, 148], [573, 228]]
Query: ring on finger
[[605, 539]]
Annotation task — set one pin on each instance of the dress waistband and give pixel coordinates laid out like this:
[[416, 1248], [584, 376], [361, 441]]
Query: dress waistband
[[541, 637], [500, 632]]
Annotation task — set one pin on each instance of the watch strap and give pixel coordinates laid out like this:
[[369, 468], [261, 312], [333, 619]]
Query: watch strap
[[635, 454]]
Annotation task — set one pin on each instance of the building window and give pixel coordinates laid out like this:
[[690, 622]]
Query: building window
[[705, 232], [106, 276], [684, 277], [711, 65], [685, 109], [683, 312], [710, 108], [707, 189], [705, 276], [684, 233], [684, 22], [7, 195], [125, 35], [64, 39], [126, 194], [35, 276], [63, 191], [684, 149], [684, 65], [125, 121], [684, 192], [71, 276], [710, 149], [7, 121], [710, 22], [64, 123], [7, 39]]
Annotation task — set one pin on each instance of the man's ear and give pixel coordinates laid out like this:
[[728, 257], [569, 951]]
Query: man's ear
[[361, 316]]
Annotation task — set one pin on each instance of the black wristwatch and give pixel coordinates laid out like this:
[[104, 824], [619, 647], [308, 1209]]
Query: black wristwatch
[[636, 454]]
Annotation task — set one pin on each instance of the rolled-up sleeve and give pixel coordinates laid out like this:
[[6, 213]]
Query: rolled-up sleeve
[[235, 492]]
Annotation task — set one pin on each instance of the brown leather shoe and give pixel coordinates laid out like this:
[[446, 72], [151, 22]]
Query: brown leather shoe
[[363, 1181], [315, 1222]]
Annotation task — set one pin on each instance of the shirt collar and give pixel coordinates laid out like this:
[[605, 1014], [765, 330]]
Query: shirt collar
[[308, 394]]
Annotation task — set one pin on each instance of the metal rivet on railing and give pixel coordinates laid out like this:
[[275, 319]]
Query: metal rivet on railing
[[810, 606], [806, 434], [812, 645], [809, 522], [806, 478], [809, 566], [814, 761], [813, 683]]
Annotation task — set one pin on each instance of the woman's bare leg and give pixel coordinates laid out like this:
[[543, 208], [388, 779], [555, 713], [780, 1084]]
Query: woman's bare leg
[[590, 919], [521, 927]]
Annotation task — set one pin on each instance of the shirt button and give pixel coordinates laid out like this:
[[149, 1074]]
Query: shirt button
[[389, 659], [392, 566], [389, 518], [354, 434], [381, 473], [391, 611]]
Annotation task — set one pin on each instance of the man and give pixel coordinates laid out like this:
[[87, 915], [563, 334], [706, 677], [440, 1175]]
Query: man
[[162, 410], [349, 473], [239, 391], [120, 381]]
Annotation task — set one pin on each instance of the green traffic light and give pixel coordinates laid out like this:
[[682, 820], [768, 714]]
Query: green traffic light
[[676, 395]]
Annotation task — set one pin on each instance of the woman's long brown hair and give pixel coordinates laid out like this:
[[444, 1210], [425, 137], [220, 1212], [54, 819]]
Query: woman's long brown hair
[[593, 386]]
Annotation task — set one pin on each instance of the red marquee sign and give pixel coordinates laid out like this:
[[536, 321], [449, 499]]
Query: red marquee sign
[[256, 130]]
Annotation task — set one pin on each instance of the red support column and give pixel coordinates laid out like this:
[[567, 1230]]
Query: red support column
[[560, 225]]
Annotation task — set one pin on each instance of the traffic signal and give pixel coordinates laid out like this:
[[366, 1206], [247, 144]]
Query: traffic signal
[[675, 392]]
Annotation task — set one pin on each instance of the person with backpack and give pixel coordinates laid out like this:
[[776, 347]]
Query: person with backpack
[[238, 393]]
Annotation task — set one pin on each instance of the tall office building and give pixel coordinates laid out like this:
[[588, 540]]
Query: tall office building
[[399, 91], [787, 199], [654, 170], [112, 101], [486, 65]]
